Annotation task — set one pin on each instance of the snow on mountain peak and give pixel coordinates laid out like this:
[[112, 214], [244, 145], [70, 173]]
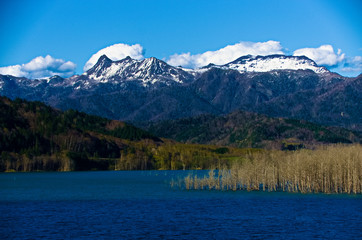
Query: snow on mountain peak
[[149, 71], [251, 63]]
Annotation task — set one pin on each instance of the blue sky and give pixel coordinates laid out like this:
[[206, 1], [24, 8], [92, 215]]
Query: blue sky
[[60, 36]]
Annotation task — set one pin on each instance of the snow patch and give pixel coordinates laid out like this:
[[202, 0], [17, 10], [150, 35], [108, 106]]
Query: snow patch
[[267, 64]]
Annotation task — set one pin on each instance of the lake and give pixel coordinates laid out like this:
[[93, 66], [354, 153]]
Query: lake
[[143, 205]]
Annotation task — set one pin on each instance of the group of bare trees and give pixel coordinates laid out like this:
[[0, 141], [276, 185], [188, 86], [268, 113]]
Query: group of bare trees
[[329, 169]]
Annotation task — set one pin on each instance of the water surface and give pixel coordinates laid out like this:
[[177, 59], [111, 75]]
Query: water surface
[[142, 204]]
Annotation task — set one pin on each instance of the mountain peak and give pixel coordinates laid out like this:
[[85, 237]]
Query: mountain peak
[[103, 62], [152, 70], [104, 58], [243, 58], [249, 57], [153, 61], [268, 63]]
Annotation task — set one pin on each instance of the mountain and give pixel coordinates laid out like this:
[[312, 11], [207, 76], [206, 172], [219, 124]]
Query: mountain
[[337, 104], [152, 90], [269, 63], [303, 94], [246, 129], [147, 72], [125, 90]]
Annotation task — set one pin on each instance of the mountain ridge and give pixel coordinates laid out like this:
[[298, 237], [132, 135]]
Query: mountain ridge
[[269, 63], [247, 129], [152, 90]]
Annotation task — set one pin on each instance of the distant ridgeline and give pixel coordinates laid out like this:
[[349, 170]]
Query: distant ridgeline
[[36, 137], [246, 129]]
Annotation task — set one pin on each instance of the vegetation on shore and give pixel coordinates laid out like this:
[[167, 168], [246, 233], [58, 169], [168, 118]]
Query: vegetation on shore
[[329, 169]]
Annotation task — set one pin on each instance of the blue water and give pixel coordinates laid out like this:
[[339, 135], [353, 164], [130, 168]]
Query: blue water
[[143, 205]]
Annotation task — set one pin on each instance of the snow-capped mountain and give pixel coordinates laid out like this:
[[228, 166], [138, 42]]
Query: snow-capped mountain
[[148, 72], [150, 89], [152, 71], [269, 63]]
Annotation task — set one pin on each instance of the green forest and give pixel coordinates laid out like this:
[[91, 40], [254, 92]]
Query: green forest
[[246, 129], [36, 137]]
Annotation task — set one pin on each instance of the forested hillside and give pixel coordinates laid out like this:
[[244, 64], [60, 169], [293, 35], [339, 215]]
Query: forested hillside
[[36, 137], [246, 129]]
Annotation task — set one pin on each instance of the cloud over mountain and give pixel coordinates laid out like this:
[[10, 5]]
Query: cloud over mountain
[[116, 52], [226, 54], [323, 55], [41, 67]]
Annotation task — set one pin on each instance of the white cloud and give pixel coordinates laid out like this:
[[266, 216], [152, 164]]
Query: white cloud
[[41, 67], [324, 55], [353, 65], [14, 70], [226, 54], [116, 52]]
